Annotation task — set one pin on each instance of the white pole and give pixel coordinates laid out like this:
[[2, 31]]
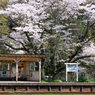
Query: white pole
[[66, 72], [77, 73], [77, 76]]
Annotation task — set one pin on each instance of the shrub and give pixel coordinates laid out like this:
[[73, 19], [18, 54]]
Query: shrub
[[63, 79], [82, 77], [90, 80], [51, 80]]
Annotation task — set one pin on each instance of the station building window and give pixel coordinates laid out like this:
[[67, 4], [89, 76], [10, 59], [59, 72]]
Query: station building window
[[33, 66], [4, 66], [4, 69]]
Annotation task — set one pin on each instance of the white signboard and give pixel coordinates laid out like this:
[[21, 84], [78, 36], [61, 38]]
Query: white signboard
[[72, 67]]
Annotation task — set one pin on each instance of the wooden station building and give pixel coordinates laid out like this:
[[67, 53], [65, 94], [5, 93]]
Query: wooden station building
[[17, 67]]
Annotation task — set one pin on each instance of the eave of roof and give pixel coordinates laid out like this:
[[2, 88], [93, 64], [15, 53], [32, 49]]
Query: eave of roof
[[22, 57]]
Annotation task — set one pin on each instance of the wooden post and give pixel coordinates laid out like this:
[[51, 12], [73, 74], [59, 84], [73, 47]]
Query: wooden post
[[92, 88], [60, 88], [16, 71], [40, 71], [4, 89], [17, 60], [10, 68], [71, 88], [49, 88]]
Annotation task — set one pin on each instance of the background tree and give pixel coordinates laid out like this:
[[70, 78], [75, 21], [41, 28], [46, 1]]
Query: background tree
[[4, 30], [54, 28]]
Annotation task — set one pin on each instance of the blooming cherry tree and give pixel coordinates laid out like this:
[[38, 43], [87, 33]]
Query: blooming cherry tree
[[49, 27]]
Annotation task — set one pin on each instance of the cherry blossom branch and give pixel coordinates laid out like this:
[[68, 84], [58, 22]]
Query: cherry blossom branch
[[86, 32], [81, 57]]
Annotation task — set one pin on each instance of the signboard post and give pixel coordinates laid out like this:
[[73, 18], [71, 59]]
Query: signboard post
[[72, 67]]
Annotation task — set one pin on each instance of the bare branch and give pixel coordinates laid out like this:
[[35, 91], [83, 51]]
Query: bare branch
[[28, 38], [92, 24], [13, 47], [20, 43]]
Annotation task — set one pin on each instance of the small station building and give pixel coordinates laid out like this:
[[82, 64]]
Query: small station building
[[17, 67]]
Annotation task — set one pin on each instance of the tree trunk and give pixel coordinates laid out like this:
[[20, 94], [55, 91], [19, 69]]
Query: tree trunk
[[42, 69], [53, 66]]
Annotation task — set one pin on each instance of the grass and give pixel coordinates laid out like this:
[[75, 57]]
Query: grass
[[47, 94], [61, 94], [51, 80]]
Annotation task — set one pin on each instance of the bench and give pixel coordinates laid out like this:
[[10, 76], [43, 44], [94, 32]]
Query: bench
[[7, 79]]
